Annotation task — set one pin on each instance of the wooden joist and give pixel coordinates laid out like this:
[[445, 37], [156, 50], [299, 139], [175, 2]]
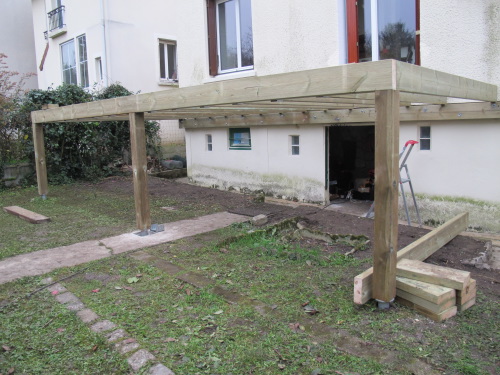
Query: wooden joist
[[429, 306], [418, 250], [467, 294], [433, 293], [430, 273], [438, 317], [27, 215]]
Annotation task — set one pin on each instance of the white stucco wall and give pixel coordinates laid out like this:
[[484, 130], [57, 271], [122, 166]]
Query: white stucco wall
[[462, 37], [463, 160], [268, 166], [16, 39]]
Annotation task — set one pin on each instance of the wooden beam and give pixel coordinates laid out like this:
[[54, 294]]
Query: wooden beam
[[421, 249], [452, 311], [430, 273], [139, 168], [40, 162], [29, 216], [416, 79], [386, 195], [430, 292], [435, 308], [344, 79]]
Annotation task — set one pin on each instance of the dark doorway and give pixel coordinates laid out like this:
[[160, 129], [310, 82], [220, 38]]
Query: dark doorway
[[351, 161]]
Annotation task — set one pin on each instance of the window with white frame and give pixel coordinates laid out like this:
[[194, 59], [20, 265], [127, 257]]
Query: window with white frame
[[168, 60], [295, 144], [209, 142], [98, 70], [74, 73], [230, 35], [425, 138]]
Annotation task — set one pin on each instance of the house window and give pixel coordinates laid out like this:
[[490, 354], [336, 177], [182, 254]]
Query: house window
[[425, 137], [73, 73], [98, 69], [395, 23], [295, 144], [230, 35], [209, 142], [82, 61], [168, 60], [239, 139]]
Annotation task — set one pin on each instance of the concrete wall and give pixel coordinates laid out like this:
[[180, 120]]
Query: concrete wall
[[16, 39], [268, 166], [463, 160], [462, 37]]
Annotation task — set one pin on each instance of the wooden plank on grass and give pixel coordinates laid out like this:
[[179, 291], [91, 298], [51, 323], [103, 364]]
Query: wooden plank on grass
[[463, 296], [27, 215], [433, 293], [446, 314], [430, 273], [467, 305], [433, 307], [418, 250]]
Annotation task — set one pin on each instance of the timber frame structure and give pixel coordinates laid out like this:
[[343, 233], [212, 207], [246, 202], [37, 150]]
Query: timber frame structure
[[380, 92]]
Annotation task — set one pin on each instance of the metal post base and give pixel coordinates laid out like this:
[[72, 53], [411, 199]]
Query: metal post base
[[44, 197], [382, 305]]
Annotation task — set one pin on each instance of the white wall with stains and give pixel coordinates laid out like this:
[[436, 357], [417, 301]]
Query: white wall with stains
[[463, 160], [268, 166]]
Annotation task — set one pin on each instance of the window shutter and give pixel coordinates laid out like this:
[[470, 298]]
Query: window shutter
[[352, 31], [212, 38]]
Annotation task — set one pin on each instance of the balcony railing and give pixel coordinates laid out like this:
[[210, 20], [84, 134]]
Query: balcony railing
[[56, 19]]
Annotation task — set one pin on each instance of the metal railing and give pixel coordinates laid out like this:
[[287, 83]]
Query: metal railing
[[56, 18]]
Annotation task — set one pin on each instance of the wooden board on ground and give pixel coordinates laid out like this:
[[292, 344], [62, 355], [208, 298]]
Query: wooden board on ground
[[467, 305], [27, 215], [418, 250], [433, 307], [446, 314], [433, 293], [464, 296], [430, 273]]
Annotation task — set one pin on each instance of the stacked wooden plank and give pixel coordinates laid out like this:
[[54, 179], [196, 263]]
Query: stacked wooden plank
[[427, 293], [434, 291]]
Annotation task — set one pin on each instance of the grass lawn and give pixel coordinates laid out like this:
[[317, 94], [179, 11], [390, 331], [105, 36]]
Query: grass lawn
[[195, 330]]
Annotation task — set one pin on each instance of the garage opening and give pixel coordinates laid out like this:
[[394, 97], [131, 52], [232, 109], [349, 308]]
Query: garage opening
[[351, 159]]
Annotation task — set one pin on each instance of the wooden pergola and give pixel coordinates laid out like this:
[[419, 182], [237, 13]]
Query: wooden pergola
[[380, 92]]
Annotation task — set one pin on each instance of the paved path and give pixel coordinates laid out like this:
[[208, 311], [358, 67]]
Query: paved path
[[43, 261]]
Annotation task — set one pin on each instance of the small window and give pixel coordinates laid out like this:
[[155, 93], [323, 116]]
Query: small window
[[239, 139], [82, 61], [425, 137], [168, 60], [295, 144], [98, 69], [209, 142]]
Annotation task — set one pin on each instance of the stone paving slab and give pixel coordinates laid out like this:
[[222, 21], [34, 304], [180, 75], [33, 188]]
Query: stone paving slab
[[87, 315], [103, 325], [43, 261], [139, 359], [173, 231]]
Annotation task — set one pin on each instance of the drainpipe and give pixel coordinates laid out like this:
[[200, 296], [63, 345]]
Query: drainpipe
[[104, 59]]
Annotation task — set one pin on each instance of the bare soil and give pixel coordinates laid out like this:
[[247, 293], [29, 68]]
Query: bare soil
[[450, 255]]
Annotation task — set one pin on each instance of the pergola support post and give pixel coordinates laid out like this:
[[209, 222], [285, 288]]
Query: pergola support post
[[386, 196], [40, 163], [139, 167]]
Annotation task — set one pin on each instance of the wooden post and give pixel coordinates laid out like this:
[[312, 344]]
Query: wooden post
[[386, 196], [139, 167], [41, 166]]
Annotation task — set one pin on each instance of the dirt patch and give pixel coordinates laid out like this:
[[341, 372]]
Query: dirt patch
[[451, 255]]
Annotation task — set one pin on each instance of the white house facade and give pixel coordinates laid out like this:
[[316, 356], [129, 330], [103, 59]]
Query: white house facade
[[135, 43], [16, 39]]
